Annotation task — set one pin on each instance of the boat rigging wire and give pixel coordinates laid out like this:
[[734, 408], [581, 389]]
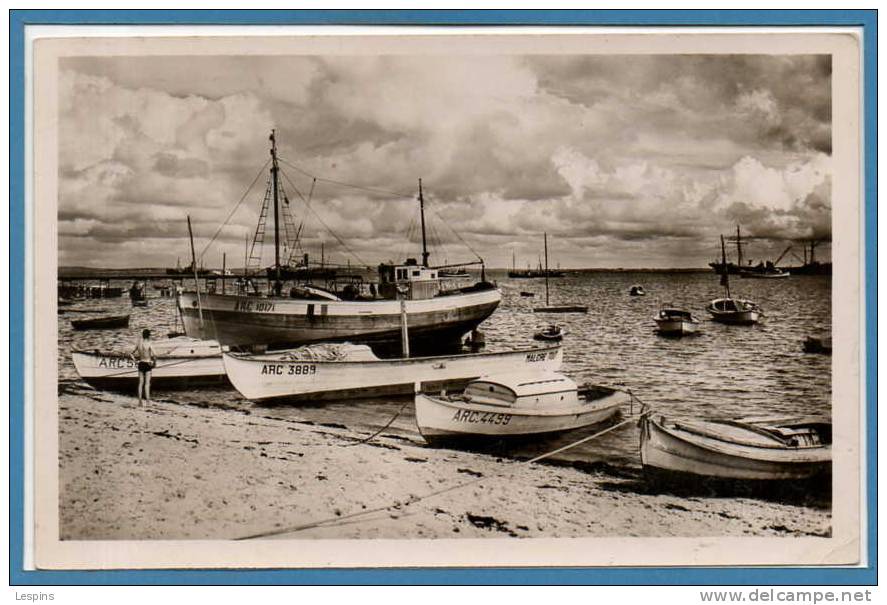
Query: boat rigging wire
[[322, 222], [344, 184], [461, 239], [230, 214], [415, 499]]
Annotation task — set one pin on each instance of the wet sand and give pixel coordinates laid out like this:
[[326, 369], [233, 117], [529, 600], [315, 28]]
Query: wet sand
[[172, 471]]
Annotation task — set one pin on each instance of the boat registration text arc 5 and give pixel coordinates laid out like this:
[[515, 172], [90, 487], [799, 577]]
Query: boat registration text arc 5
[[116, 363]]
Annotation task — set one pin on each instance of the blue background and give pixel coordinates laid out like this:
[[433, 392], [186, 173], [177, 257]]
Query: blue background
[[866, 19]]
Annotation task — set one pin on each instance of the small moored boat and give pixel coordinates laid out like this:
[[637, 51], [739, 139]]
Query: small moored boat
[[552, 332], [822, 345], [107, 322], [729, 310], [752, 449], [671, 321], [527, 294], [179, 360], [346, 370], [515, 404], [734, 311], [637, 291]]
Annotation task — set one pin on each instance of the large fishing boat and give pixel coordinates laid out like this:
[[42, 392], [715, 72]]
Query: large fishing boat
[[362, 313]]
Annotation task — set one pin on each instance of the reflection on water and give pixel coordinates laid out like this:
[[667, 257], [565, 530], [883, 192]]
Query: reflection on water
[[723, 371]]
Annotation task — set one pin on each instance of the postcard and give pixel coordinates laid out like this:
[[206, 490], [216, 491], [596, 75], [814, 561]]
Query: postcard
[[426, 297]]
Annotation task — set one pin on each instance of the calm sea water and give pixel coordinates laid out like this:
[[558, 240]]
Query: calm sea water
[[725, 371]]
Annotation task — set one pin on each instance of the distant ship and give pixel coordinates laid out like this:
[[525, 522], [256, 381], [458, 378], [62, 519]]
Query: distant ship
[[528, 273], [358, 312], [810, 265]]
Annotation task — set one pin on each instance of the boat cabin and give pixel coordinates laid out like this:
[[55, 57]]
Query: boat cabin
[[524, 390], [418, 282], [668, 314]]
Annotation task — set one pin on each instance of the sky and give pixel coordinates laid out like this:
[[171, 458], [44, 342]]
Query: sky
[[624, 160]]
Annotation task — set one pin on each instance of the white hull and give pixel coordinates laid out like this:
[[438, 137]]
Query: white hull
[[271, 376], [670, 450], [177, 359], [754, 275], [676, 327], [449, 419]]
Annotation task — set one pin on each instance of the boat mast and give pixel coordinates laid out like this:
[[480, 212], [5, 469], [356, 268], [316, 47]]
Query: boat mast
[[274, 170], [545, 239], [194, 268], [422, 216], [725, 278], [738, 249]]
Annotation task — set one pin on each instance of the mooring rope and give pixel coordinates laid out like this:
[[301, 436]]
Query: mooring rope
[[387, 424], [414, 499]]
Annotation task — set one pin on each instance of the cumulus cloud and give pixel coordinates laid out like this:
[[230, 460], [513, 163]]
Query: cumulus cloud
[[625, 160]]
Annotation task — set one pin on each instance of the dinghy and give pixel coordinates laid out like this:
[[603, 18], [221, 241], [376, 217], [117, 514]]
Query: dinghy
[[671, 321], [343, 370], [179, 360], [552, 332], [734, 311], [516, 404], [729, 310], [637, 291], [108, 322], [752, 449]]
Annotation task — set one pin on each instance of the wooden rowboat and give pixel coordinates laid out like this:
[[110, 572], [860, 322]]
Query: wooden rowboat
[[744, 450], [180, 361], [516, 404], [353, 371], [108, 322]]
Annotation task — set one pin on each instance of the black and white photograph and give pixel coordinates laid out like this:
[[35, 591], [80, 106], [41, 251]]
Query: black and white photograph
[[482, 294]]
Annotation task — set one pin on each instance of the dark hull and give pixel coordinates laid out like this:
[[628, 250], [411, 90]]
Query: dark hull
[[562, 309], [815, 489], [102, 323], [128, 384], [732, 268], [237, 328]]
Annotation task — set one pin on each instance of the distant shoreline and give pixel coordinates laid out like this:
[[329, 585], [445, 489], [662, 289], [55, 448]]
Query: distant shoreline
[[160, 272]]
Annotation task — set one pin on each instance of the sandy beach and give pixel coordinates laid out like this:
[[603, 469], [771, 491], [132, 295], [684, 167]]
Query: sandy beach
[[172, 471]]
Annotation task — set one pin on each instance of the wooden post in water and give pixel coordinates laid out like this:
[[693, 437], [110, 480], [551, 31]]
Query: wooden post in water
[[404, 330], [194, 267]]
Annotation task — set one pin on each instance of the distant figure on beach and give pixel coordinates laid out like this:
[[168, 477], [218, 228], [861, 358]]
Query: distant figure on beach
[[144, 356]]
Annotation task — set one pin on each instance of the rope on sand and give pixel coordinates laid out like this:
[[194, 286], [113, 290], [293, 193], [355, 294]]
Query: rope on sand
[[387, 424], [399, 505]]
